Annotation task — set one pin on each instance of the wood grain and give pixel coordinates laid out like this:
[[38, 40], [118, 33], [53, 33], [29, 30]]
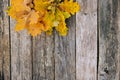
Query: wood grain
[[65, 53], [73, 57], [21, 58], [1, 40], [4, 42], [39, 58], [86, 41], [49, 58], [109, 40], [118, 37], [43, 57]]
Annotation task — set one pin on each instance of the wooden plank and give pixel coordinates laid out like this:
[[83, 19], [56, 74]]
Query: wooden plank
[[49, 58], [21, 58], [65, 53], [38, 57], [109, 40], [118, 54], [43, 57], [4, 42], [1, 40], [86, 41]]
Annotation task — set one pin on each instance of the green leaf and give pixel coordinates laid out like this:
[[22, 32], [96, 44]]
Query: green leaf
[[66, 14]]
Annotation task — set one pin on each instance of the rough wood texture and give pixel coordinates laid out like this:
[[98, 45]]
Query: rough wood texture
[[4, 42], [109, 40], [43, 58], [65, 54], [49, 58], [39, 58], [86, 41], [73, 57], [118, 37], [21, 61]]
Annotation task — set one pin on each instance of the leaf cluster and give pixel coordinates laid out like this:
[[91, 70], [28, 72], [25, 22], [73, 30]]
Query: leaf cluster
[[37, 16]]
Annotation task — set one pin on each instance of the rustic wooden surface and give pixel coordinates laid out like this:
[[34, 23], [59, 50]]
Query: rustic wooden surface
[[65, 54], [4, 42], [86, 41], [109, 40], [49, 58], [21, 59], [118, 37], [43, 57], [39, 58], [54, 56], [21, 54], [90, 51]]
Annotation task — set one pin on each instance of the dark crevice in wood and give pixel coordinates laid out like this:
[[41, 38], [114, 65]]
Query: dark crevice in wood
[[32, 56], [54, 52], [1, 75], [98, 26], [45, 58], [1, 40], [75, 43], [9, 42], [10, 47]]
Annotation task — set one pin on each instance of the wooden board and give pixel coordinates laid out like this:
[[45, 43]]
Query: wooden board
[[65, 53], [49, 57], [118, 37], [38, 58], [43, 57], [109, 40], [4, 42], [78, 56], [21, 57], [86, 41]]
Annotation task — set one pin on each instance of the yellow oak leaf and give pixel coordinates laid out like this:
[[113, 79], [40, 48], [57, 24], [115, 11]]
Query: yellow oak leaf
[[26, 2], [20, 25], [70, 6], [35, 29], [66, 14], [38, 16], [18, 9], [61, 28], [41, 5], [34, 17], [49, 32], [48, 21]]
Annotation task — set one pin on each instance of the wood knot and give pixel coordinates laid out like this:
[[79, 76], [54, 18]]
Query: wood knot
[[106, 71]]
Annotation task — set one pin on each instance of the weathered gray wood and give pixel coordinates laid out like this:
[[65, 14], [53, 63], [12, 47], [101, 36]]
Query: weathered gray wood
[[43, 57], [118, 37], [109, 40], [1, 35], [49, 58], [39, 57], [21, 58], [73, 57], [65, 54], [86, 41], [4, 42]]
